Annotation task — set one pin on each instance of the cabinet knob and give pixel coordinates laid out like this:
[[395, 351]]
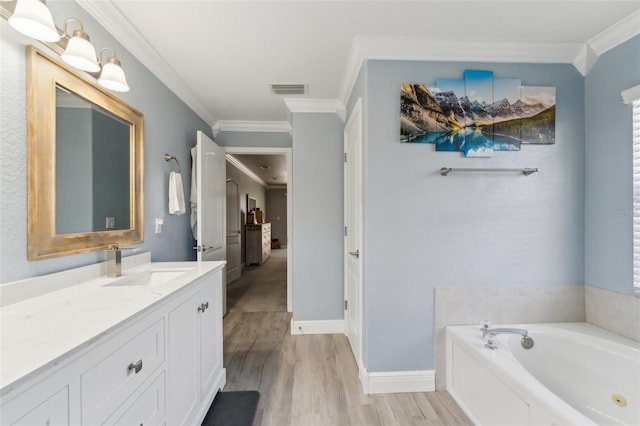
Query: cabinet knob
[[136, 367], [203, 307]]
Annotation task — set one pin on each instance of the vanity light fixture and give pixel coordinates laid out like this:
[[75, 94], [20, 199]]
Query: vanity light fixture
[[112, 76], [80, 53], [33, 18]]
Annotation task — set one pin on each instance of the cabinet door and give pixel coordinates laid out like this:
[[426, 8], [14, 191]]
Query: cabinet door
[[52, 412], [211, 332], [184, 380]]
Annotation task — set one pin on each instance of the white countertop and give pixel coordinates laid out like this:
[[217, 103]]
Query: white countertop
[[39, 331]]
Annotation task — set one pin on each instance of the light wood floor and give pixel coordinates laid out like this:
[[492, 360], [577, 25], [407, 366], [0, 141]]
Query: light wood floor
[[307, 380]]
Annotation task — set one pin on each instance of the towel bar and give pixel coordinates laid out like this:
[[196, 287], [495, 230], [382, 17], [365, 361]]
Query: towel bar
[[525, 171]]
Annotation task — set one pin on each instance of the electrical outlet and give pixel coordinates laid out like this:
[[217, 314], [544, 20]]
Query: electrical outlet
[[159, 223], [111, 222]]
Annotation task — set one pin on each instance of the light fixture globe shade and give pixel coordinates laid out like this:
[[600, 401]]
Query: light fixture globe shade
[[81, 54], [33, 18], [112, 77]]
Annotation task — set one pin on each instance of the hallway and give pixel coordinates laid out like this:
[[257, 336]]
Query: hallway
[[307, 380]]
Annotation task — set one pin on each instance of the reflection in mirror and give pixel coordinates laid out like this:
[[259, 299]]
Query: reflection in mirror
[[92, 167], [251, 203]]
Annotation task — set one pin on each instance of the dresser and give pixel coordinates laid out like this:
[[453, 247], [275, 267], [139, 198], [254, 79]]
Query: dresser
[[258, 243]]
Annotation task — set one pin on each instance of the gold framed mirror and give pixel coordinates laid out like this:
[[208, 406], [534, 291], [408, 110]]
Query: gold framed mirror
[[85, 163]]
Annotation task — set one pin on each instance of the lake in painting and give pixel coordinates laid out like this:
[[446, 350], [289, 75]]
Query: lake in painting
[[473, 142]]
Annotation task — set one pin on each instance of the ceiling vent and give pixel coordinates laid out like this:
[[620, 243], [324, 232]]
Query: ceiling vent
[[288, 89]]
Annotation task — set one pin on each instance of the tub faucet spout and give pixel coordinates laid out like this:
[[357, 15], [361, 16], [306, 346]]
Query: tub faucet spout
[[490, 333]]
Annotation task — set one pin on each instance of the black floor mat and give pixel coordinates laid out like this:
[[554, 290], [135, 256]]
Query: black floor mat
[[232, 409]]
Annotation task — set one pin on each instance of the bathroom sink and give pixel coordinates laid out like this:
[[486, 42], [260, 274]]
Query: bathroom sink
[[150, 277]]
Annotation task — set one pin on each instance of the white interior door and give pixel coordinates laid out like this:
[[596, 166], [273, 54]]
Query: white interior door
[[353, 232], [211, 186], [234, 267]]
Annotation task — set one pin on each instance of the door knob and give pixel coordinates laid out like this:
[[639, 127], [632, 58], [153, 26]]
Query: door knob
[[355, 253], [202, 248]]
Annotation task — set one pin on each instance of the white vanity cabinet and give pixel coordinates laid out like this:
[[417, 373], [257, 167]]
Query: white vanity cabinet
[[195, 359], [160, 365]]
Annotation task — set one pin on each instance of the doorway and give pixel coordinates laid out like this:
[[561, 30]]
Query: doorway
[[286, 239]]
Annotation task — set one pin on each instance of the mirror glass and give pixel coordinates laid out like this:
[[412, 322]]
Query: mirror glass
[[92, 167], [85, 163], [251, 203]]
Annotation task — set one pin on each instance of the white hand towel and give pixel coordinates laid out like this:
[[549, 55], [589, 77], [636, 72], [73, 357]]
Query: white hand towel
[[176, 194]]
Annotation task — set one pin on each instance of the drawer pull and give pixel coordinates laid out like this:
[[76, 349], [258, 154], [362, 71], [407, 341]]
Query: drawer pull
[[203, 307], [206, 305], [136, 367]]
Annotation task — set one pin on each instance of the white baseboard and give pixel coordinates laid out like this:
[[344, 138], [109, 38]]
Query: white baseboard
[[398, 381], [317, 327]]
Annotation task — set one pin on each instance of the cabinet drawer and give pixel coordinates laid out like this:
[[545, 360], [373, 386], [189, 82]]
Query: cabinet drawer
[[147, 409], [52, 412], [112, 380]]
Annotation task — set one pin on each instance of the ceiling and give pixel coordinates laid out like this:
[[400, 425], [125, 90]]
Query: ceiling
[[272, 169], [227, 53]]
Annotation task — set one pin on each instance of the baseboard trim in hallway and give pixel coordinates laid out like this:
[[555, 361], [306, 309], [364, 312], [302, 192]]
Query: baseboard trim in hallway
[[398, 381], [317, 327]]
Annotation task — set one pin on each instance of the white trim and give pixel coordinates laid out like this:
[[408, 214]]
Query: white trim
[[317, 327], [631, 94], [352, 69], [398, 381], [114, 21], [252, 126], [585, 60], [366, 48], [616, 34], [316, 106], [288, 152], [244, 169]]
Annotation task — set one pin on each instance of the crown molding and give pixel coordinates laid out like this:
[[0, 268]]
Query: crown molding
[[365, 48], [630, 95], [618, 33], [295, 105], [585, 60], [252, 126], [244, 169], [112, 19]]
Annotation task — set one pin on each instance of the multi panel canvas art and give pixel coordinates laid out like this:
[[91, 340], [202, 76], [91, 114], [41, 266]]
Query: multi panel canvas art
[[477, 114]]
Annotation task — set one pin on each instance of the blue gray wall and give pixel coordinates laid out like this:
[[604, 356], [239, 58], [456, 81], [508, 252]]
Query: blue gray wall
[[425, 231], [170, 127], [261, 139], [609, 181], [318, 212]]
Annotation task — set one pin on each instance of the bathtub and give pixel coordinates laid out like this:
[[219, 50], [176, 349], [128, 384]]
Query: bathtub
[[575, 374]]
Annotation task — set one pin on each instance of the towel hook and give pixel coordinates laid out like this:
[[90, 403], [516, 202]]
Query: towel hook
[[168, 158]]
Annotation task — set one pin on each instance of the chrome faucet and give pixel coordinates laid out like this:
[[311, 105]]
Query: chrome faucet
[[114, 260], [490, 333]]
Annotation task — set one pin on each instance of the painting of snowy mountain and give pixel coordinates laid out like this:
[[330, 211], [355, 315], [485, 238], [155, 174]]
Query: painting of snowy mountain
[[478, 114]]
